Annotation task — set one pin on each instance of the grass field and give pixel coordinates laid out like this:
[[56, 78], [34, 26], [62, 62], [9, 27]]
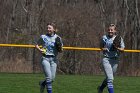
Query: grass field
[[28, 83]]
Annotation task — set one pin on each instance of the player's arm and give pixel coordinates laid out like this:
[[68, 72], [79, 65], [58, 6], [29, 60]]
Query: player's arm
[[102, 46], [59, 44], [122, 46], [120, 49], [42, 50], [38, 46]]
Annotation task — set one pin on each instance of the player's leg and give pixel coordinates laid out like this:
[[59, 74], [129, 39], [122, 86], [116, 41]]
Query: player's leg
[[110, 86], [114, 65], [53, 68], [104, 83], [102, 86], [42, 85], [53, 72], [109, 74], [47, 70]]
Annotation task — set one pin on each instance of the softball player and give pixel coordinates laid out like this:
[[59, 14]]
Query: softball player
[[110, 58], [49, 50]]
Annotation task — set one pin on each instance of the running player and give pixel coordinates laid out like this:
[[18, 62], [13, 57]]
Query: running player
[[110, 58], [49, 50]]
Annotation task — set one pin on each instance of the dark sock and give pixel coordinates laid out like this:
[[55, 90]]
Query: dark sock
[[103, 85], [44, 83]]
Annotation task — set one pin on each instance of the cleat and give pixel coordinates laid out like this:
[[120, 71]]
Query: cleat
[[42, 87], [99, 90]]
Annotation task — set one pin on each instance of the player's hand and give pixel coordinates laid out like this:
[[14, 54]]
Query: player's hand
[[105, 49], [58, 44], [120, 49], [117, 43], [43, 50]]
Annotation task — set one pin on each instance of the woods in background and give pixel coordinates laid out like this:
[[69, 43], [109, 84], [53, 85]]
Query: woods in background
[[81, 23]]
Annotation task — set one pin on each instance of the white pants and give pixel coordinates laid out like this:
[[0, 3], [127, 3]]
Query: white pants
[[49, 65], [110, 67]]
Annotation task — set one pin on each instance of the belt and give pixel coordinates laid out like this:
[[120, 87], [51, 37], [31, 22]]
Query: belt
[[48, 55], [115, 58]]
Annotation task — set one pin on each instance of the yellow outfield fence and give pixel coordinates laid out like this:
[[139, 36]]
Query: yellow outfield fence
[[68, 48]]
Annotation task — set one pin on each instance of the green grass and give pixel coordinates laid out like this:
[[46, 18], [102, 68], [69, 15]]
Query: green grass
[[28, 83]]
